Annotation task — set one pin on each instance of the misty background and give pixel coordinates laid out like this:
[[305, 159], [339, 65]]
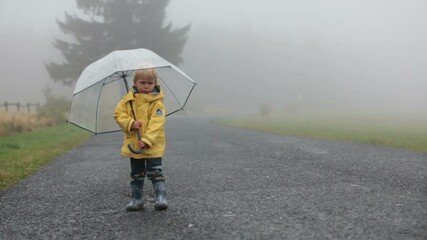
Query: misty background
[[305, 56]]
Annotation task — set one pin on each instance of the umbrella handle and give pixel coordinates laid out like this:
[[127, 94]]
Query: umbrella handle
[[139, 139]]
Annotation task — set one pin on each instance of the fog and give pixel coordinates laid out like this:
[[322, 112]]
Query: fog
[[298, 56]]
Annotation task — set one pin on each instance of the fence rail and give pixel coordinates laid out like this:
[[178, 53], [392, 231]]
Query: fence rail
[[18, 106]]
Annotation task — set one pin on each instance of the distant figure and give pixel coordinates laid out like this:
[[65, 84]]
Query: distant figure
[[141, 116]]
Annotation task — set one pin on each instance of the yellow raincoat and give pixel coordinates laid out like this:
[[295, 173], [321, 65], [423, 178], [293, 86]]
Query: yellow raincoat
[[150, 111]]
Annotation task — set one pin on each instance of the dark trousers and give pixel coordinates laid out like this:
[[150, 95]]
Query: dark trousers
[[152, 167]]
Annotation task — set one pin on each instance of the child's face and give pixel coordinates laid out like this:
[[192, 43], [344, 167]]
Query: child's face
[[144, 85]]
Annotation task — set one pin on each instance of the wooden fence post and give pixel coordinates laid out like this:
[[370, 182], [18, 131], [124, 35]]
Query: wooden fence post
[[18, 105]]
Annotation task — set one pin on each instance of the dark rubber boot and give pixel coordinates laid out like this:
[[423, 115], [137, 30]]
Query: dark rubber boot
[[160, 190], [136, 203]]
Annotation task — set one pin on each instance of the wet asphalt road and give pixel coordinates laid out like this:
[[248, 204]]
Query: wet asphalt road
[[226, 183]]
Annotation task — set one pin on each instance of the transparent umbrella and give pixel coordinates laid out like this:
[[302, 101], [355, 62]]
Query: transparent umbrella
[[104, 82]]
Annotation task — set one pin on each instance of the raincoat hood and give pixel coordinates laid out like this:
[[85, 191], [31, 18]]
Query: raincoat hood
[[156, 94]]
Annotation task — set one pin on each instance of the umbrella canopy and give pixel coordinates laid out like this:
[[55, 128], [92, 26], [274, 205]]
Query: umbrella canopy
[[104, 82]]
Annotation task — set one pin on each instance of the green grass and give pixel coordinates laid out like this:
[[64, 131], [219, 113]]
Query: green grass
[[23, 154], [409, 135]]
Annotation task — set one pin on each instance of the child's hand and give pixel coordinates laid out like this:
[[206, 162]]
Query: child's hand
[[136, 125], [141, 144]]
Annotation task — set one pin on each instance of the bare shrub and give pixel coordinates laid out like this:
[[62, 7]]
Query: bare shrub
[[12, 122], [56, 108], [265, 109]]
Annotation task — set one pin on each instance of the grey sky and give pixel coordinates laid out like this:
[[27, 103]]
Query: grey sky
[[361, 54], [333, 53]]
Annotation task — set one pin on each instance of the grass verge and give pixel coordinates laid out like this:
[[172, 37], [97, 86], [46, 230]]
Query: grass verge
[[405, 135], [23, 154]]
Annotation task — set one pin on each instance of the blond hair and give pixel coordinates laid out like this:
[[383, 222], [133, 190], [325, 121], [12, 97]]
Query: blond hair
[[148, 74]]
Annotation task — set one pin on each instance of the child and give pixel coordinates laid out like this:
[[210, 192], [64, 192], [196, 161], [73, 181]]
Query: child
[[142, 110]]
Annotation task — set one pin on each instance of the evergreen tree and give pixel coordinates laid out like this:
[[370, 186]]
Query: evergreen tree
[[115, 25]]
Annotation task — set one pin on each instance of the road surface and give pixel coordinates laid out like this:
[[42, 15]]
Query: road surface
[[226, 183]]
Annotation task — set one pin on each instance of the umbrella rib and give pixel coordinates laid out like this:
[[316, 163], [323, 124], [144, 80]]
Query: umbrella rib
[[87, 129], [188, 96], [125, 81], [97, 107], [173, 112], [103, 79], [170, 90]]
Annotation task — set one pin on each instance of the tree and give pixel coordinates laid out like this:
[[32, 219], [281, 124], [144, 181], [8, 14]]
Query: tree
[[114, 25]]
